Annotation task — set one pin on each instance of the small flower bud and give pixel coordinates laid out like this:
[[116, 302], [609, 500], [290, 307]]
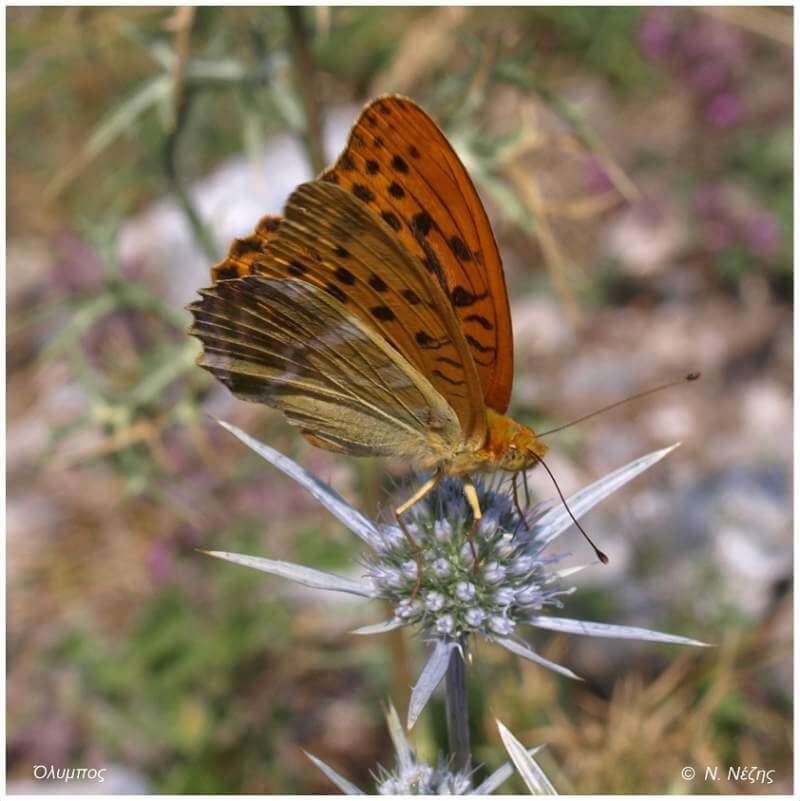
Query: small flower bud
[[494, 573], [441, 567], [504, 596], [459, 785], [442, 530], [445, 624], [407, 609], [522, 564], [488, 525], [474, 616], [416, 780], [466, 552], [392, 539], [387, 576], [410, 568], [505, 547], [465, 590], [500, 625], [434, 601], [530, 596], [390, 787]]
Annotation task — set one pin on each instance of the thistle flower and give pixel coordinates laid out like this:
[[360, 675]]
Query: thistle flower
[[515, 584], [412, 777]]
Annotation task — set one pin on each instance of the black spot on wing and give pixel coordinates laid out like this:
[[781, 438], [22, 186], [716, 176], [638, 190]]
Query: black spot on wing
[[382, 313], [455, 382], [477, 345], [344, 276], [411, 296], [422, 224], [297, 268], [480, 320], [336, 292], [377, 283], [399, 164], [432, 264], [391, 219], [245, 245], [228, 271], [462, 297], [363, 193], [373, 167], [425, 340], [395, 190], [458, 247]]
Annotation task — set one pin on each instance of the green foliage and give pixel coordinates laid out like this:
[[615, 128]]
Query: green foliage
[[182, 690], [602, 40]]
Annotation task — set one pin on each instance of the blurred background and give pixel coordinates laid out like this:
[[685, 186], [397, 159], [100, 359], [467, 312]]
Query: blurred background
[[637, 168]]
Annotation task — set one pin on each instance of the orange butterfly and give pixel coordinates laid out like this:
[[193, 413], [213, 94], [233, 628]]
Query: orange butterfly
[[374, 313]]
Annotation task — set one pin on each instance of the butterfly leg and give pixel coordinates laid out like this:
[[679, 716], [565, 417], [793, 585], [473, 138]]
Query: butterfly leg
[[427, 487], [471, 494]]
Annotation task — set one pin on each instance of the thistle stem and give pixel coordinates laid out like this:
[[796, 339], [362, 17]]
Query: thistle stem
[[458, 710]]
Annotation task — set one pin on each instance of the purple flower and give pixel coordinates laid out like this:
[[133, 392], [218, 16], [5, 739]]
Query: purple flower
[[724, 110], [709, 200], [711, 40], [719, 235], [596, 178], [160, 559], [708, 76], [763, 234], [78, 268], [657, 33]]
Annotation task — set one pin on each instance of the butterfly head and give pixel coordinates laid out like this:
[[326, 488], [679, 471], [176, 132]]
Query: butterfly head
[[511, 445]]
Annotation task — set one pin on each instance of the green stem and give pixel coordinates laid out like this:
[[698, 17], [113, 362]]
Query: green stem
[[201, 231], [306, 81]]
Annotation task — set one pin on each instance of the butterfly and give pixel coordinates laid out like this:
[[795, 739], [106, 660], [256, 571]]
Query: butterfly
[[374, 313]]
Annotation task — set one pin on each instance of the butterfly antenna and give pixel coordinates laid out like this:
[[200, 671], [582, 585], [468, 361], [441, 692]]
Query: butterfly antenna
[[517, 506], [600, 555], [527, 491], [653, 390]]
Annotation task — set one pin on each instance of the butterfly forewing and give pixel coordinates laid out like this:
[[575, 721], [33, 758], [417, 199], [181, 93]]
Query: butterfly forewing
[[402, 167], [332, 241], [289, 344]]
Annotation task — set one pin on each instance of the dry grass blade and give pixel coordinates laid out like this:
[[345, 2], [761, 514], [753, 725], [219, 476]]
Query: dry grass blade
[[770, 23], [181, 23], [120, 120], [528, 190]]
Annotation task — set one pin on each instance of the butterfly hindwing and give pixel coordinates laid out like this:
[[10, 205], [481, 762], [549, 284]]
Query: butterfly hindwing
[[243, 252], [290, 345], [401, 165]]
